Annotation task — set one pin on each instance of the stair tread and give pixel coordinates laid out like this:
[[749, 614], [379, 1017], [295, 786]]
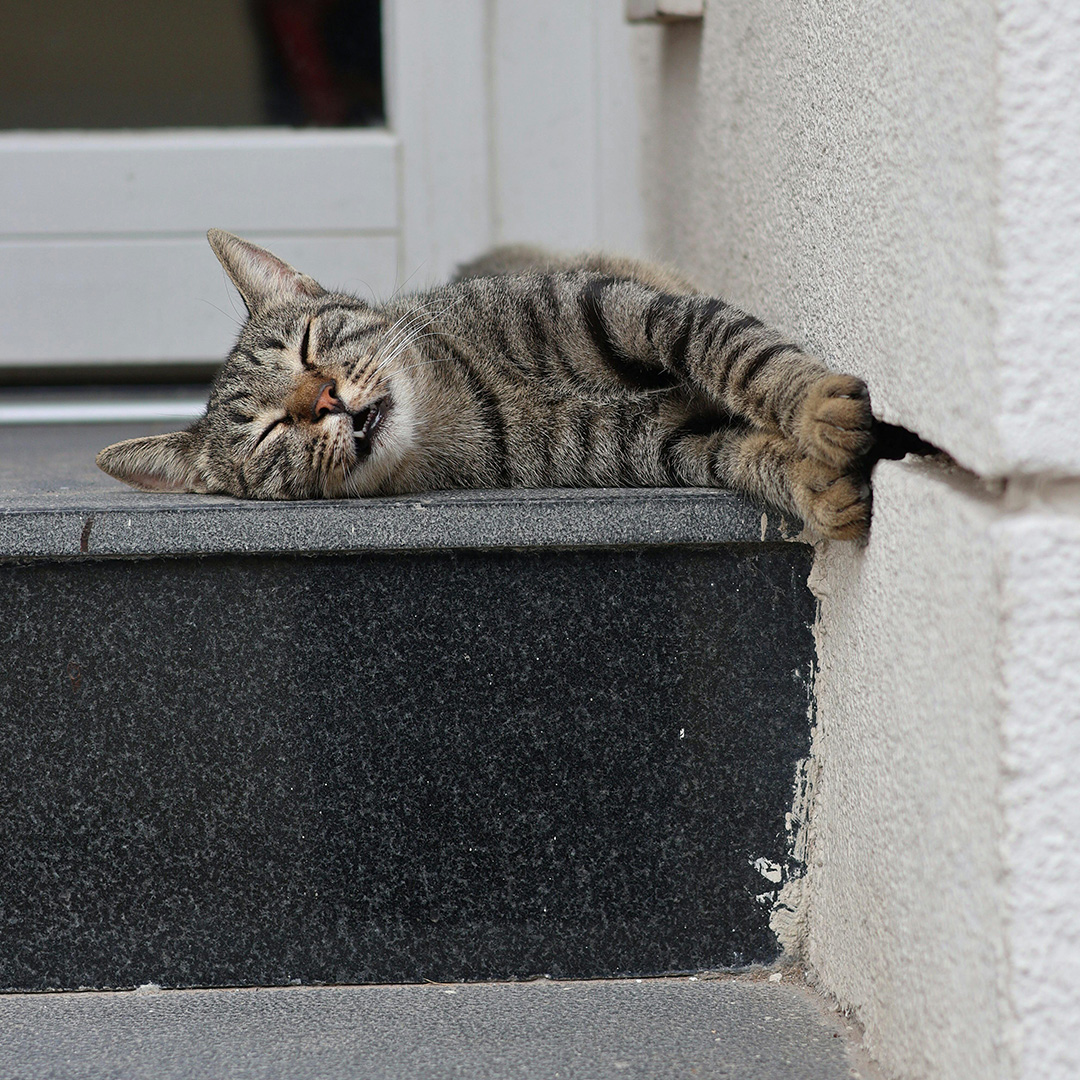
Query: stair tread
[[647, 1029], [55, 503]]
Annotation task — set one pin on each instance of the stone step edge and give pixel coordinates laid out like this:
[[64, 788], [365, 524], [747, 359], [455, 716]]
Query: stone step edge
[[135, 525], [644, 1030]]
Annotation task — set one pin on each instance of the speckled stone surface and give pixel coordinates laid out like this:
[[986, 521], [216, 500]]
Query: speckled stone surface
[[665, 1029], [455, 765], [55, 503]]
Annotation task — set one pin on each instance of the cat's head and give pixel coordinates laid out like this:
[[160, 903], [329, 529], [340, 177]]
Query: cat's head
[[312, 402]]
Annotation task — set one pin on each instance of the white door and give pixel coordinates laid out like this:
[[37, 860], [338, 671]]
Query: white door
[[103, 247], [103, 256], [504, 122]]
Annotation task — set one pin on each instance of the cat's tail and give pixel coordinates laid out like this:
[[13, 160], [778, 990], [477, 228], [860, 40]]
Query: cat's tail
[[892, 442]]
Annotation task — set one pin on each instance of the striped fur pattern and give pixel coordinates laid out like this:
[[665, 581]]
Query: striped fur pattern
[[528, 370]]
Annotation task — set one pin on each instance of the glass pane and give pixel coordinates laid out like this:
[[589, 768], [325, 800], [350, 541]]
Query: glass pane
[[159, 63]]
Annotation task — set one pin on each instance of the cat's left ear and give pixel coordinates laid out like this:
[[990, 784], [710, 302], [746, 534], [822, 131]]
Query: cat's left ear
[[155, 463], [263, 279]]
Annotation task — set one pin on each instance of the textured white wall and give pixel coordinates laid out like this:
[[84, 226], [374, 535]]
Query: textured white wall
[[1040, 654], [943, 874], [896, 182], [831, 165], [906, 913], [1038, 307]]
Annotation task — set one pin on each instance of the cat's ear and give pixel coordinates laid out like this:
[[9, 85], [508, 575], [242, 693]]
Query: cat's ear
[[155, 463], [263, 279]]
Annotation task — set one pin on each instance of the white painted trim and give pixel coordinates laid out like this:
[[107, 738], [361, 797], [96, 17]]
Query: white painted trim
[[544, 109], [565, 126], [133, 299], [247, 180], [435, 63], [188, 139], [182, 410]]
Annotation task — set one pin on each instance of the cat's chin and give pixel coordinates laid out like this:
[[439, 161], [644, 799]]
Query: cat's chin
[[367, 478], [378, 447]]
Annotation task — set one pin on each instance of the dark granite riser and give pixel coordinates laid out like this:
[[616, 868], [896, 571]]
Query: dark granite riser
[[256, 769]]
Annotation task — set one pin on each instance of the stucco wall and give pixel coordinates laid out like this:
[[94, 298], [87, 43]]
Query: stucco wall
[[896, 183], [1040, 658], [1038, 236], [882, 179], [905, 912], [943, 872], [831, 167]]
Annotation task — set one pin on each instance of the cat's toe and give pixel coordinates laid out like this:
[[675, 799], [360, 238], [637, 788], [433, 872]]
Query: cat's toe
[[834, 425], [843, 511], [834, 505]]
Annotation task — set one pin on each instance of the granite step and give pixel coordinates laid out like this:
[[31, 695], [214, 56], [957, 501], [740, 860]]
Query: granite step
[[459, 736], [614, 1030]]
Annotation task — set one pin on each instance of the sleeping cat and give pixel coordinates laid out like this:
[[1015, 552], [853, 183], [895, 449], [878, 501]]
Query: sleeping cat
[[528, 370]]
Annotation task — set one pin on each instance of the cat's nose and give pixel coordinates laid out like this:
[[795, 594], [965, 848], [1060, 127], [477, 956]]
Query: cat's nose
[[326, 402]]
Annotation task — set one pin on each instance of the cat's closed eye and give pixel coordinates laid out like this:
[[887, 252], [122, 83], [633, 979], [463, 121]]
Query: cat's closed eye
[[305, 341], [268, 429]]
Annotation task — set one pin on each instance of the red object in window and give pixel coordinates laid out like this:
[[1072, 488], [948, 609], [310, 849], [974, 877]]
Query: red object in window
[[296, 28]]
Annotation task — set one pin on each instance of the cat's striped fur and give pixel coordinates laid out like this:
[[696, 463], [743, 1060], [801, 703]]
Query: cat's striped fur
[[529, 370]]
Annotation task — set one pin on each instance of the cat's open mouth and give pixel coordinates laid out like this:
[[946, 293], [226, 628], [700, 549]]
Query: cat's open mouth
[[366, 424]]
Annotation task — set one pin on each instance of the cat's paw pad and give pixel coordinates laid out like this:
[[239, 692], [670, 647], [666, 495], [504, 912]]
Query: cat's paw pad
[[835, 420], [834, 505]]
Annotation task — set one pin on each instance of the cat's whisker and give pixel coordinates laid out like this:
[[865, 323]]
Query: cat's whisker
[[406, 345], [316, 459], [402, 342], [401, 339], [429, 310], [386, 360], [397, 292], [432, 311], [411, 336], [426, 363], [416, 317], [232, 317], [395, 331]]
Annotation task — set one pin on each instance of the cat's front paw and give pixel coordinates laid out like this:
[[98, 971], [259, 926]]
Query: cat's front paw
[[834, 422], [834, 505]]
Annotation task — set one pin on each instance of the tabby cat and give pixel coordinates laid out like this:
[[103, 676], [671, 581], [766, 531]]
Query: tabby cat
[[528, 370]]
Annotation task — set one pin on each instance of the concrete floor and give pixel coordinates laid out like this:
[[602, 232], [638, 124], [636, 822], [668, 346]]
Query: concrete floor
[[626, 1029]]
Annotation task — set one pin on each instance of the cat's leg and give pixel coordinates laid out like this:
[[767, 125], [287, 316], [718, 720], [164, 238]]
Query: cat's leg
[[596, 332], [771, 467], [733, 359]]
